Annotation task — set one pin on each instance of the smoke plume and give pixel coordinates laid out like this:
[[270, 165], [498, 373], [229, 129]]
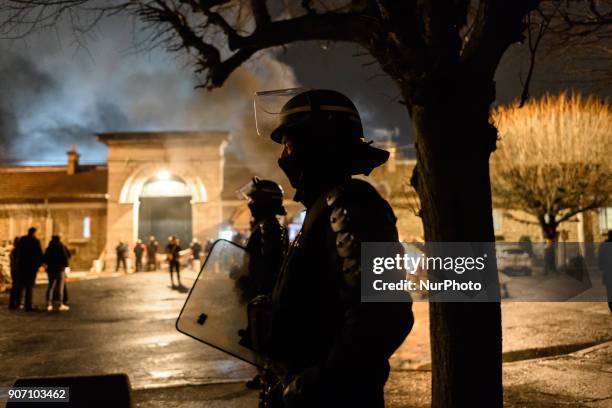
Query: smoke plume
[[52, 96]]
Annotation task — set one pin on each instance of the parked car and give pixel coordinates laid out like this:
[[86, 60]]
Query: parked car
[[514, 261]]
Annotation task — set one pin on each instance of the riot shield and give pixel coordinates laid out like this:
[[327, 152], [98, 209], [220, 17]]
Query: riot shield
[[215, 312]]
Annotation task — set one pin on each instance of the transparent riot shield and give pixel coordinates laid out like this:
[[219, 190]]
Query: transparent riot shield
[[215, 312]]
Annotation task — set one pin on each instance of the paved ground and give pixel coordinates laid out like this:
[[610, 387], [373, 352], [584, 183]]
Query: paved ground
[[122, 324], [126, 324]]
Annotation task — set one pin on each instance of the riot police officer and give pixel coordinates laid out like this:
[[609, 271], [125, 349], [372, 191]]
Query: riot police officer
[[268, 241], [328, 347], [267, 244]]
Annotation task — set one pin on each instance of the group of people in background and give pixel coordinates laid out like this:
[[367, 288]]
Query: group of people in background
[[148, 251], [26, 258]]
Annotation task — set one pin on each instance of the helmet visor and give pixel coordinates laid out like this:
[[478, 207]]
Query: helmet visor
[[262, 189], [244, 193], [268, 105]]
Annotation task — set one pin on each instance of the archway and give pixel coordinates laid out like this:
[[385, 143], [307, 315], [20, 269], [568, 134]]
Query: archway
[[165, 209]]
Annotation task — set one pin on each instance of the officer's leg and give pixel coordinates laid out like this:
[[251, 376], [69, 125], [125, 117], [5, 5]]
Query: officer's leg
[[178, 272]]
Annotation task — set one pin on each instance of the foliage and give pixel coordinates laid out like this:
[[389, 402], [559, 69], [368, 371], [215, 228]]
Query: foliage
[[553, 159]]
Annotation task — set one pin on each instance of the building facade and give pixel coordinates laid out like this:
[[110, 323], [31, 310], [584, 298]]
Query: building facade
[[184, 184]]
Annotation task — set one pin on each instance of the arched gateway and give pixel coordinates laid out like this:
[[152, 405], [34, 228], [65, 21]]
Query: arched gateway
[[166, 183]]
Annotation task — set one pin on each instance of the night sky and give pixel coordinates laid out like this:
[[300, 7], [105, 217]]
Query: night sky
[[55, 92]]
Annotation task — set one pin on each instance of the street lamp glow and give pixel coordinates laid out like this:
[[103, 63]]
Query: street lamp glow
[[163, 175]]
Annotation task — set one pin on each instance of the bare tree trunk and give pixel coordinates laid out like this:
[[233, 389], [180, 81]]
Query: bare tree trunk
[[549, 230], [454, 142]]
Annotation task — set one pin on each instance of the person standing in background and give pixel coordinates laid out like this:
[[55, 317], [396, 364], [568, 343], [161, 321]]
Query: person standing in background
[[196, 249], [139, 249], [13, 266], [605, 266], [173, 250], [121, 249], [28, 258], [56, 259], [152, 247]]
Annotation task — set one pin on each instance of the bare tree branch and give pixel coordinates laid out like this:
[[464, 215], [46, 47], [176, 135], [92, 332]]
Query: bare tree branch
[[534, 41]]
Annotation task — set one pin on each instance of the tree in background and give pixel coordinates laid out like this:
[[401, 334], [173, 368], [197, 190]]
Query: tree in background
[[554, 159]]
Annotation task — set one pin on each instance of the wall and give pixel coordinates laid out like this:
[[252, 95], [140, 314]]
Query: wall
[[195, 158], [64, 219]]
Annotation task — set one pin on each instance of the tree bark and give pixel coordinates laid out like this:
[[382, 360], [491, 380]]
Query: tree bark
[[549, 230], [454, 142]]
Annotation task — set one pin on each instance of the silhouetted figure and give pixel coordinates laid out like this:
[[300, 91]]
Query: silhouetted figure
[[28, 258], [196, 249], [605, 266], [152, 247], [139, 249], [266, 245], [209, 245], [331, 348], [268, 241], [173, 250], [122, 252], [56, 258], [13, 298]]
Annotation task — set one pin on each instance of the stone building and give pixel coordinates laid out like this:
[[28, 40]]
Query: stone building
[[184, 184], [67, 200], [154, 183]]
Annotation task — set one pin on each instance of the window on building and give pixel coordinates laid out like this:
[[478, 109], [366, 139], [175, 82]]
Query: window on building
[[86, 227], [497, 220], [605, 219]]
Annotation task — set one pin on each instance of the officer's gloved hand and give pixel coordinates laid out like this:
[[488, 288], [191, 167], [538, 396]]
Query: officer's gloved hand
[[293, 394], [301, 391], [261, 301]]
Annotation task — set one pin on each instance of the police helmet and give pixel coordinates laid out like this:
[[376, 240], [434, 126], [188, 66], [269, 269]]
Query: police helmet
[[328, 112], [322, 106], [266, 192]]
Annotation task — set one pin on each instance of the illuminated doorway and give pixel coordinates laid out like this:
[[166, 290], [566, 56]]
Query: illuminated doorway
[[165, 210]]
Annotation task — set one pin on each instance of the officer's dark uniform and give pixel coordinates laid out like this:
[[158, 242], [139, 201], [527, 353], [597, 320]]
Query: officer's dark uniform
[[331, 348], [268, 242], [266, 246]]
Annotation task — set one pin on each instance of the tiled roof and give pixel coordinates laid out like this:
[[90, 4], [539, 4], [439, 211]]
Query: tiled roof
[[38, 183], [209, 136]]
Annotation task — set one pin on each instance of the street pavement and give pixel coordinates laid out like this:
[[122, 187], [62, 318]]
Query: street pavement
[[556, 354]]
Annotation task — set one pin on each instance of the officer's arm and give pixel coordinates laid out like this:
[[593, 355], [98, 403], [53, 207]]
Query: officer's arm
[[371, 331]]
